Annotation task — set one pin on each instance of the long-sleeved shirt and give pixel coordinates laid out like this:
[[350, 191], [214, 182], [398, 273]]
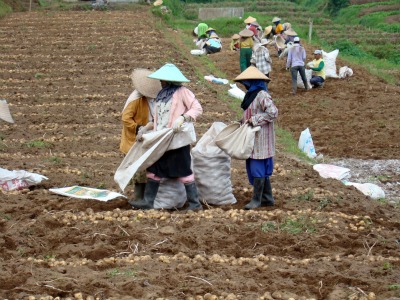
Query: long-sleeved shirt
[[262, 60], [246, 42], [262, 112], [183, 102], [319, 67], [296, 56]]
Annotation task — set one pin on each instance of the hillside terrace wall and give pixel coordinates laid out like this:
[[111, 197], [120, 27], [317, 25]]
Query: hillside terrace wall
[[226, 12]]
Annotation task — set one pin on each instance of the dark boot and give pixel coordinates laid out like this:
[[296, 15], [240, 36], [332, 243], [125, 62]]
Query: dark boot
[[150, 193], [139, 193], [193, 196], [258, 187], [267, 199]]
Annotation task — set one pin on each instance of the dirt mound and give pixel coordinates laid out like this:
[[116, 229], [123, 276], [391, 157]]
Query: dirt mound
[[66, 77]]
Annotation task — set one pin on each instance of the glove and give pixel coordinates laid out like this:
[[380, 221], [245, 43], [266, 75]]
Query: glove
[[178, 123], [149, 126], [144, 129]]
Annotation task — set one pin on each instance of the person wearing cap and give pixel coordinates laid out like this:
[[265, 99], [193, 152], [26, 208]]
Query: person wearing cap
[[137, 118], [212, 44], [235, 42], [318, 66], [259, 110], [246, 48], [295, 61], [262, 60], [174, 105]]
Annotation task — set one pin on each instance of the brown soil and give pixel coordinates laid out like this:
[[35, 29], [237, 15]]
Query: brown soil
[[66, 76]]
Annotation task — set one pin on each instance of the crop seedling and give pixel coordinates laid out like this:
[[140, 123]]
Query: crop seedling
[[296, 226], [38, 144], [39, 75], [387, 266], [268, 226], [92, 47], [308, 196], [55, 159], [116, 272], [393, 287]]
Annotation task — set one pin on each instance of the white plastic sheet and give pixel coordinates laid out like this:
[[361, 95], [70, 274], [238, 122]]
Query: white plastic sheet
[[236, 92], [332, 171], [368, 189], [86, 193]]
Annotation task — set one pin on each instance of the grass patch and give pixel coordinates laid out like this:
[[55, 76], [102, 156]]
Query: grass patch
[[299, 225], [4, 9], [394, 287], [117, 272], [38, 144]]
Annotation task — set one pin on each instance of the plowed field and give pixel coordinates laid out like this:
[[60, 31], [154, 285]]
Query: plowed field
[[66, 77]]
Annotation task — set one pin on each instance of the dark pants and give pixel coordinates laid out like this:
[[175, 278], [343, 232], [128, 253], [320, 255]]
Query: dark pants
[[302, 71], [245, 57], [211, 49], [316, 81]]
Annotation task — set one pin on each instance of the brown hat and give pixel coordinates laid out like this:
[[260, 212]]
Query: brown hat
[[291, 32], [251, 73], [246, 33], [235, 36], [267, 30], [5, 112], [144, 85], [250, 20]]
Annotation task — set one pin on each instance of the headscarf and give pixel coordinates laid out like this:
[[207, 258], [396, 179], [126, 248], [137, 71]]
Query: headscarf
[[253, 86], [166, 92]]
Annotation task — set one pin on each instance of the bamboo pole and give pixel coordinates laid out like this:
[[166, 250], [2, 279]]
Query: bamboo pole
[[310, 31]]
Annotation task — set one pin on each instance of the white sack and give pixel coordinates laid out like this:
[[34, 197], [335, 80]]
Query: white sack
[[171, 194], [236, 92], [5, 112], [212, 169], [300, 81], [330, 63], [237, 140], [345, 72], [86, 193], [145, 153], [332, 171], [18, 179], [306, 143], [368, 189], [198, 52]]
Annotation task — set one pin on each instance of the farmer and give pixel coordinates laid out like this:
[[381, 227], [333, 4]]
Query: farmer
[[201, 33], [235, 42], [269, 32], [210, 31], [278, 26], [295, 61], [213, 44], [318, 66], [259, 110], [262, 60], [289, 35], [246, 48], [252, 24], [137, 117], [174, 105]]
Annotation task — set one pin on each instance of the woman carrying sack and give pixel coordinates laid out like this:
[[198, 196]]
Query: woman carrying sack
[[259, 110], [174, 105], [137, 118]]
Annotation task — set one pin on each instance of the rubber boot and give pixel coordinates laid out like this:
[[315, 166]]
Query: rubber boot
[[267, 199], [258, 188], [150, 193], [192, 197], [139, 193]]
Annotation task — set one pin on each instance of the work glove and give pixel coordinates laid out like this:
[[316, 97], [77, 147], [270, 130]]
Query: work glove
[[178, 123], [142, 130]]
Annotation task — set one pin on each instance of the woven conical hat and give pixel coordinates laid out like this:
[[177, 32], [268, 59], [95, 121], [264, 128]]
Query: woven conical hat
[[158, 2], [276, 19], [246, 33], [235, 36], [5, 112], [291, 32], [169, 72], [251, 73], [280, 41], [287, 25], [267, 30], [250, 20], [209, 29], [146, 86]]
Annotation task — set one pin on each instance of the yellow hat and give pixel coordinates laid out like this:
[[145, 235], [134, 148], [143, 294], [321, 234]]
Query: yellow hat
[[250, 20], [267, 30]]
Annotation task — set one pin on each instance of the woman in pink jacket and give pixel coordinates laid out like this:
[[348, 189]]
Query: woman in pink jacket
[[175, 104]]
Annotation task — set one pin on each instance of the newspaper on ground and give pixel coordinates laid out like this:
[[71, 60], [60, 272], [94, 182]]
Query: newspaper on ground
[[86, 193]]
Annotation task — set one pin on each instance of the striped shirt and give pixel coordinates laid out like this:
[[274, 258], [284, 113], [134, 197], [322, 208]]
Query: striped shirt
[[263, 112]]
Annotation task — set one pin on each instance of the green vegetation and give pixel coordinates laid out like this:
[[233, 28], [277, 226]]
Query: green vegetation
[[4, 9], [5, 216], [38, 144], [302, 224], [55, 159], [116, 272], [393, 287]]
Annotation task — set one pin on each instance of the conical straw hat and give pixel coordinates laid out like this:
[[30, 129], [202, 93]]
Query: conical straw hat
[[267, 30], [209, 29], [291, 32], [287, 25], [169, 72], [144, 85], [250, 20], [280, 41], [235, 36], [246, 33], [276, 19], [5, 112], [158, 2], [251, 73]]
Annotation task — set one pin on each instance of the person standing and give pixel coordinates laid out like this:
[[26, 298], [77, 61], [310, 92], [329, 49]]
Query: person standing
[[259, 110], [174, 105], [246, 48], [318, 66], [295, 61], [262, 60], [137, 117]]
